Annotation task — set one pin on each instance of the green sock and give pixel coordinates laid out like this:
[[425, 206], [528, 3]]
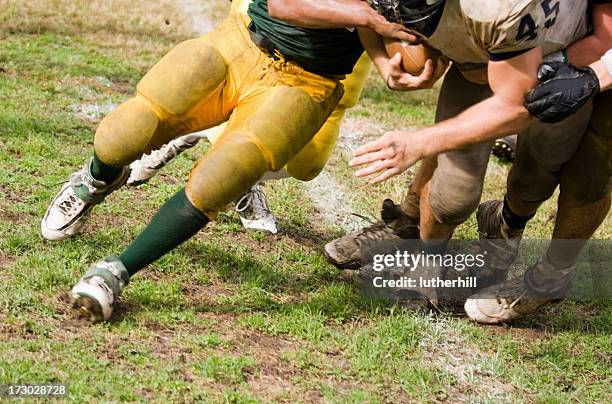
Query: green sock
[[103, 172], [175, 222]]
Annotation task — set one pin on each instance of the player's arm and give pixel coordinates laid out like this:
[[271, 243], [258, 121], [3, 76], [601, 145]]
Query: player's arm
[[500, 115], [335, 14], [390, 68], [589, 49]]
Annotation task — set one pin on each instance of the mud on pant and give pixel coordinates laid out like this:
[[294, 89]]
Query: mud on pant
[[542, 151], [273, 108], [311, 160], [587, 177]]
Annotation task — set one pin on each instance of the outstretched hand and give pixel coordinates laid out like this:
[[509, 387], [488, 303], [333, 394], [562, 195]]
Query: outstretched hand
[[390, 155]]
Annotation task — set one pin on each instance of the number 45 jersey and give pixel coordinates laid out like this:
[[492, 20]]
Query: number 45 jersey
[[472, 32]]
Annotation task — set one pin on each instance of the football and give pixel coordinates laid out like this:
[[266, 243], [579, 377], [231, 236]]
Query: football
[[413, 56]]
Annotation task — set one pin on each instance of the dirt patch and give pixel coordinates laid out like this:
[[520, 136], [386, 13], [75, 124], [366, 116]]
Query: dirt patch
[[270, 378], [528, 333], [13, 198], [92, 112], [6, 261]]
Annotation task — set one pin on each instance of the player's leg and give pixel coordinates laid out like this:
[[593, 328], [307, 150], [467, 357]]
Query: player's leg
[[465, 169], [454, 190], [252, 145], [192, 73], [253, 207], [584, 200], [148, 165], [546, 155], [312, 158]]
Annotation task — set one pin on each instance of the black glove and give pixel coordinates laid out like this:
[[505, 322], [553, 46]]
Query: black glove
[[563, 90]]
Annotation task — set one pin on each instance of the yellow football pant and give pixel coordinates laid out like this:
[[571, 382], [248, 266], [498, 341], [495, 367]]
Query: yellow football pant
[[312, 159], [276, 108]]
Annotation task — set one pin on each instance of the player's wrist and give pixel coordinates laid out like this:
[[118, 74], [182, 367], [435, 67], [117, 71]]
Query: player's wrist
[[559, 56], [373, 20]]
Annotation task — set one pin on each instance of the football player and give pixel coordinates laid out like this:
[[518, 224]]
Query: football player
[[585, 180], [496, 51], [252, 207], [510, 37], [240, 71]]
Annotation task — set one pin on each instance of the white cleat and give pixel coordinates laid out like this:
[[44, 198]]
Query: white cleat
[[95, 294], [70, 208], [149, 164], [254, 211]]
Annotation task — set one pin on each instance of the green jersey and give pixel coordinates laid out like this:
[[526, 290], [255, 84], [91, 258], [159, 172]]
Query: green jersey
[[322, 51]]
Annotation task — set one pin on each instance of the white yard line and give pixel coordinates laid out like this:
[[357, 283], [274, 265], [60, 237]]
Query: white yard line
[[335, 205], [471, 367]]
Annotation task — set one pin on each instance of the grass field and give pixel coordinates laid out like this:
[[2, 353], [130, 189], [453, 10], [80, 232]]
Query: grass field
[[234, 316]]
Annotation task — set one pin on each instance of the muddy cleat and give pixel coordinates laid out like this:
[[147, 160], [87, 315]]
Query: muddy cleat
[[254, 211], [71, 206], [499, 241], [149, 164], [346, 252], [505, 148], [518, 297], [97, 291]]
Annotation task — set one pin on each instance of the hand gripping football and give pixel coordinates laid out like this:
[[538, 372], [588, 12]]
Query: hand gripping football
[[413, 56]]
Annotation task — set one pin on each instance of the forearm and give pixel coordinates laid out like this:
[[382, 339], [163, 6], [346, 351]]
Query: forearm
[[591, 48], [374, 46], [586, 51], [324, 13], [487, 120]]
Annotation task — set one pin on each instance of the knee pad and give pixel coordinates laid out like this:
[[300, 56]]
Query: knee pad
[[226, 172], [127, 132], [190, 72], [455, 197]]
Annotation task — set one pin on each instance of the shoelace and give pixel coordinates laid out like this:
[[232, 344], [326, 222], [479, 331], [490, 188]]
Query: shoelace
[[256, 199], [70, 205], [376, 228], [503, 300], [101, 283]]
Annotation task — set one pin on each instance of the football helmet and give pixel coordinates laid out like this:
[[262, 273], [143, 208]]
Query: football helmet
[[420, 16]]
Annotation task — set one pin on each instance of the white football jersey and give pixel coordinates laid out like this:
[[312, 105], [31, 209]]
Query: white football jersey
[[472, 32]]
